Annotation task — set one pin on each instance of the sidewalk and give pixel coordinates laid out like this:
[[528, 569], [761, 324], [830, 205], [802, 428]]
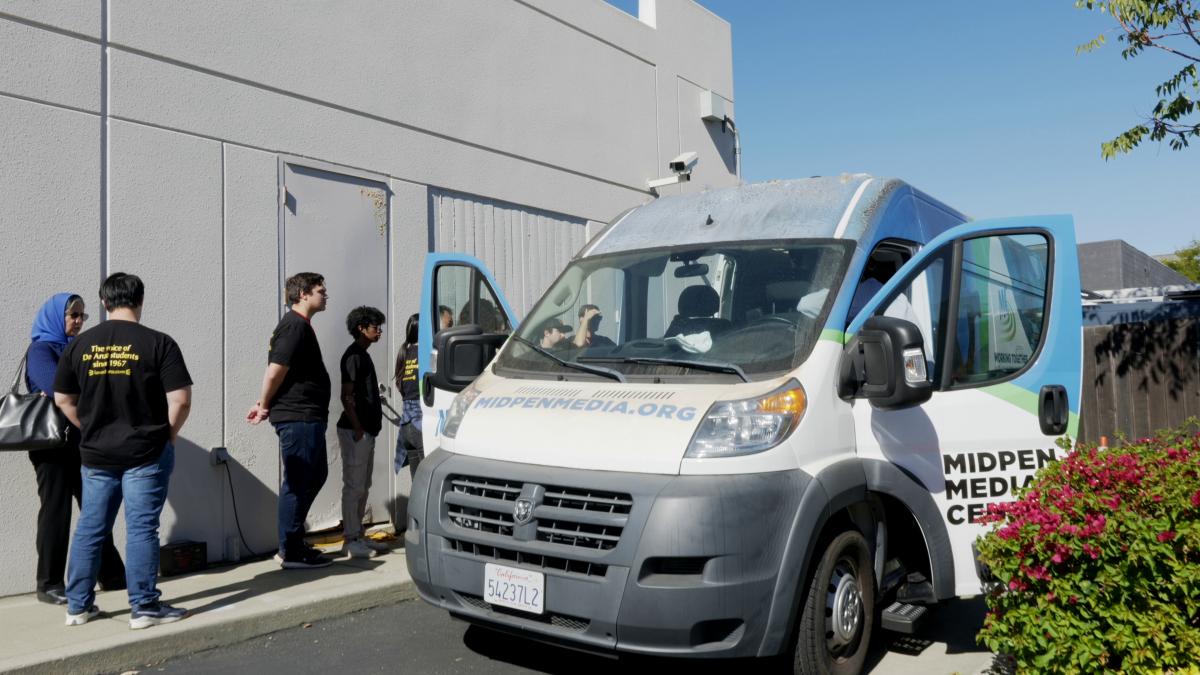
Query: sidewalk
[[227, 605]]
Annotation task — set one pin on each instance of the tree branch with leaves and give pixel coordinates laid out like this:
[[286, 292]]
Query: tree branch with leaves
[[1172, 26]]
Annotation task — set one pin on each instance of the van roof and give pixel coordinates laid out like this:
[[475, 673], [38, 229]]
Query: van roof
[[845, 207]]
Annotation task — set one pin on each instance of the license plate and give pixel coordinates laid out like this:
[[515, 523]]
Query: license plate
[[514, 587]]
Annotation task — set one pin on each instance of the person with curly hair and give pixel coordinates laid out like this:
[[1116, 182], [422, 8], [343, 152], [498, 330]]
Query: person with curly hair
[[359, 425]]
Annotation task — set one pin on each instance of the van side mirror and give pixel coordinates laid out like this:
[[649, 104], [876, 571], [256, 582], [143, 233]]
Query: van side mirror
[[462, 354], [885, 363]]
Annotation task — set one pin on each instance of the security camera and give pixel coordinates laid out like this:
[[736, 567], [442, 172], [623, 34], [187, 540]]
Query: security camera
[[683, 163]]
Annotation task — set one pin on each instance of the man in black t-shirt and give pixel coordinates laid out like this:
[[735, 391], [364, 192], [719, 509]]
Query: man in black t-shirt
[[357, 428], [295, 397], [128, 390], [589, 322]]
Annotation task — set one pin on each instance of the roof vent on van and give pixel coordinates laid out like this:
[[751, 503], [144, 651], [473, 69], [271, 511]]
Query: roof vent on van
[[617, 394], [548, 391]]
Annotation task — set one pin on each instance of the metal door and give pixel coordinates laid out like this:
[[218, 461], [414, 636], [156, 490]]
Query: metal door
[[997, 304], [337, 225]]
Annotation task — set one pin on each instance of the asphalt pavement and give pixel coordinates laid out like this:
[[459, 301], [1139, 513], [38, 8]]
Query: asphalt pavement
[[414, 637]]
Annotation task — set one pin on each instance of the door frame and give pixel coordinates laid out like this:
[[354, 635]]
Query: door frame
[[283, 159]]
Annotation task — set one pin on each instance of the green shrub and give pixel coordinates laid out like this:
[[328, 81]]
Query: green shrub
[[1100, 562]]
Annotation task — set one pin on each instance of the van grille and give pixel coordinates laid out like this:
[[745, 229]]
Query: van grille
[[496, 497], [548, 618], [568, 516], [545, 562]]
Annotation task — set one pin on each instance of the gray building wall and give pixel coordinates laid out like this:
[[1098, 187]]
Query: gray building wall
[[1109, 265], [147, 137]]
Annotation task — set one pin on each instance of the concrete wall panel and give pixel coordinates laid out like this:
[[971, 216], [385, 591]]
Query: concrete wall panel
[[76, 16], [49, 243], [165, 226], [410, 242], [524, 262], [49, 66], [158, 93], [545, 90], [695, 44], [252, 308], [714, 144]]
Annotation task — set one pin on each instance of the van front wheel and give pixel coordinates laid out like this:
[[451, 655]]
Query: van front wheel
[[835, 627]]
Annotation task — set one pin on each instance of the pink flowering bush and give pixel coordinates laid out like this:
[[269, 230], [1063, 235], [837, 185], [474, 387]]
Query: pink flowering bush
[[1098, 562]]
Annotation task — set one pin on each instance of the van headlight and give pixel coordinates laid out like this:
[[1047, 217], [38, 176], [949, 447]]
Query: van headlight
[[732, 428], [458, 409]]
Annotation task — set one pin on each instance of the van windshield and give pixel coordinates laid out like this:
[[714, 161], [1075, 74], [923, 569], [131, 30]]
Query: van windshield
[[733, 310]]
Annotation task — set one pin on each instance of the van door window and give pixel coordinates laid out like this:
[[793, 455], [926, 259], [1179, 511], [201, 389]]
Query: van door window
[[923, 301], [1001, 307], [452, 294], [887, 259], [457, 305], [489, 314]]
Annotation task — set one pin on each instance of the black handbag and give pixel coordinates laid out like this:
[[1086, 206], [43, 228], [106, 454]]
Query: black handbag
[[30, 421]]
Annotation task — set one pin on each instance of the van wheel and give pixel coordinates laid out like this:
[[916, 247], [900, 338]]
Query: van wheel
[[834, 630]]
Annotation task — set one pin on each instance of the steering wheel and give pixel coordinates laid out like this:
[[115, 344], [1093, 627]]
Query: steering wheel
[[775, 318]]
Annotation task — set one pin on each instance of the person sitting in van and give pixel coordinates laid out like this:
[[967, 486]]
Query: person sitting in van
[[489, 317], [589, 322], [553, 333]]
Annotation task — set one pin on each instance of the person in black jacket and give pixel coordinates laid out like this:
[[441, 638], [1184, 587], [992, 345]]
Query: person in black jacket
[[57, 323]]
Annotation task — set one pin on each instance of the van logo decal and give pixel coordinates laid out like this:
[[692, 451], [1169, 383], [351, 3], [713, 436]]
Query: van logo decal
[[523, 511], [654, 410]]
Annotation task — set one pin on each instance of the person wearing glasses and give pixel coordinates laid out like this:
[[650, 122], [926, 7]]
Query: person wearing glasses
[[357, 428], [58, 478], [295, 398]]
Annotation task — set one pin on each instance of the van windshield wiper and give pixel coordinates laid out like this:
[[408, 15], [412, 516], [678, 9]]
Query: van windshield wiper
[[595, 370], [697, 365]]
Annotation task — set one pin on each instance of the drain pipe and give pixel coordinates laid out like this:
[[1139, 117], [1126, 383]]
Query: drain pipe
[[737, 146]]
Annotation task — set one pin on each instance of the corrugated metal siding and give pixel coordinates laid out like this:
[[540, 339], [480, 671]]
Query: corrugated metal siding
[[524, 248]]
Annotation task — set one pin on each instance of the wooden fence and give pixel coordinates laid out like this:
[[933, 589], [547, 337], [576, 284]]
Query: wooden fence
[[1139, 378]]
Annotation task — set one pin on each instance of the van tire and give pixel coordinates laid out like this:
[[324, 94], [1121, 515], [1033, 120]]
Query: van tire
[[845, 581]]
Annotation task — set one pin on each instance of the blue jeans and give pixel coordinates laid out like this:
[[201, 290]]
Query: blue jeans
[[144, 491], [305, 468]]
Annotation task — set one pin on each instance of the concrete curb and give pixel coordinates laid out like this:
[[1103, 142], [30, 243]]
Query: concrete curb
[[195, 635]]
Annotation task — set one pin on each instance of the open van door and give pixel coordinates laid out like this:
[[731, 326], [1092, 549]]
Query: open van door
[[464, 322], [974, 398]]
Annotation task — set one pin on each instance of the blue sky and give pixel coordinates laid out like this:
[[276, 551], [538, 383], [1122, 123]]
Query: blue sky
[[982, 105]]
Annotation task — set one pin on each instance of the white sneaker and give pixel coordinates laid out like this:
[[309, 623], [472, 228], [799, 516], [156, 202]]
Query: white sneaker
[[357, 549], [82, 617], [374, 545]]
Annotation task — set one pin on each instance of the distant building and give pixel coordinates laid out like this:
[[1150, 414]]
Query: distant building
[[1109, 265]]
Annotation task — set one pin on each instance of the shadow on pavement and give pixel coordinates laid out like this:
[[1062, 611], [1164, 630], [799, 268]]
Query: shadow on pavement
[[259, 585], [955, 625], [545, 658]]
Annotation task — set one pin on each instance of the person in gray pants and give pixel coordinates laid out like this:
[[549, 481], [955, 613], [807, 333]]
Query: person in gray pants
[[358, 427]]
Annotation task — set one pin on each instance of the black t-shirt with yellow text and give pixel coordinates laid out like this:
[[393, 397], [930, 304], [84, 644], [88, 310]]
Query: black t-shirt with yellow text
[[410, 389], [304, 394], [122, 372]]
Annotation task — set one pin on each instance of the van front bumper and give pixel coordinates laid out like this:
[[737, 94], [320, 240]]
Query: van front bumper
[[692, 569]]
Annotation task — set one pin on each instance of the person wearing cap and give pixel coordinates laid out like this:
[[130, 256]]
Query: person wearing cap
[[553, 332]]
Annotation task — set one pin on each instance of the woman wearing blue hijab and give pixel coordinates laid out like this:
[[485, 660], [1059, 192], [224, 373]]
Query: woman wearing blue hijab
[[58, 477]]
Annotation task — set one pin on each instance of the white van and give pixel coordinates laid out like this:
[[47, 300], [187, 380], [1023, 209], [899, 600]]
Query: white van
[[796, 402]]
